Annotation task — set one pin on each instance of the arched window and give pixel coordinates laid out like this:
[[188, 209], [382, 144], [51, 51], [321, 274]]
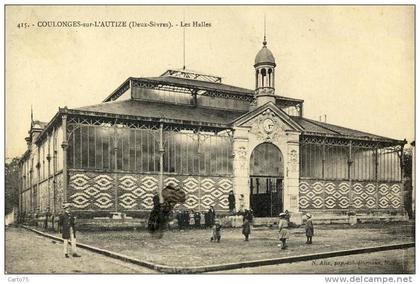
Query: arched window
[[256, 78], [267, 160], [263, 75]]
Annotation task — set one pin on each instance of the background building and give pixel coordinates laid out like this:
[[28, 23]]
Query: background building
[[193, 131]]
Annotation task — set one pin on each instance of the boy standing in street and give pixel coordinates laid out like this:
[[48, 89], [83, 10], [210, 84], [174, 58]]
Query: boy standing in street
[[309, 229], [217, 227], [246, 226], [283, 231]]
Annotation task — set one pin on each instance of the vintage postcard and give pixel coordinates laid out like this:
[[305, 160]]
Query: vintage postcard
[[210, 140]]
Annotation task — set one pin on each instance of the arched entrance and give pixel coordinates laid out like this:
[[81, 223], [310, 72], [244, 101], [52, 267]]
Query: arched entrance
[[266, 180]]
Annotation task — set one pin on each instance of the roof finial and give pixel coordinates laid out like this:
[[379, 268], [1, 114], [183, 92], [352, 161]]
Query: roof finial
[[32, 115], [265, 36]]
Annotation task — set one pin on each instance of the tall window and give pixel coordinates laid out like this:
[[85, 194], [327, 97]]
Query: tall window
[[368, 163], [111, 148], [336, 162], [389, 168], [192, 153], [311, 160], [137, 150]]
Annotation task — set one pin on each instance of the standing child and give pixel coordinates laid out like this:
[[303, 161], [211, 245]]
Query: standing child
[[202, 219], [246, 226], [283, 231], [217, 228], [309, 229], [192, 220]]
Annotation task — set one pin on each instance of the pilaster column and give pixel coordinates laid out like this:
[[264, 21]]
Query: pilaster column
[[65, 145], [350, 161], [38, 172], [31, 190], [241, 166], [116, 168], [161, 152], [49, 172], [54, 158], [291, 186], [20, 189]]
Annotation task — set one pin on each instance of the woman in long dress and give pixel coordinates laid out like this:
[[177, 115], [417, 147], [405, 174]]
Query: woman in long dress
[[283, 231]]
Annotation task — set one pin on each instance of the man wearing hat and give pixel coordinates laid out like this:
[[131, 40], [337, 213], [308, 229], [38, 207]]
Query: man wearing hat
[[309, 229], [66, 223]]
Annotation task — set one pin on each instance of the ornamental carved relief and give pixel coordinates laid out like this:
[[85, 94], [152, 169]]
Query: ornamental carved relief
[[267, 126], [265, 92], [293, 160], [240, 155]]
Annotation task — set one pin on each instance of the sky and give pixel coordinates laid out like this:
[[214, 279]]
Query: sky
[[354, 64]]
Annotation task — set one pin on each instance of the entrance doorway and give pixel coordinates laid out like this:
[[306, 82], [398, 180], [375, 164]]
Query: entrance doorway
[[266, 180]]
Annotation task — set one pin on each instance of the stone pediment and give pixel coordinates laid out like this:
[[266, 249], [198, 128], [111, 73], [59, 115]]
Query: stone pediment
[[267, 121]]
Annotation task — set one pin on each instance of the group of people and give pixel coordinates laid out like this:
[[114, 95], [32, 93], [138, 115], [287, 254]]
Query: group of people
[[247, 217], [284, 231], [186, 219], [283, 227], [195, 219]]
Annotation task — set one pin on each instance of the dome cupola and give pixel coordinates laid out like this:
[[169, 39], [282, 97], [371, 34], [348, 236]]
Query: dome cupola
[[264, 56], [264, 75]]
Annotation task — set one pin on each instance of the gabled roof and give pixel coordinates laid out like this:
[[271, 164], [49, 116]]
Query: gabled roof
[[281, 114], [223, 118], [204, 85], [187, 85], [162, 110], [182, 84], [313, 127]]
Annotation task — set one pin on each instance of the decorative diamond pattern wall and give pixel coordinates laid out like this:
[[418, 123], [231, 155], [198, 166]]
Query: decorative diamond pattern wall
[[389, 195], [315, 194], [94, 191], [91, 191], [203, 192]]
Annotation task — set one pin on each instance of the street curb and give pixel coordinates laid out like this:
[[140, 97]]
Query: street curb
[[115, 255], [229, 266]]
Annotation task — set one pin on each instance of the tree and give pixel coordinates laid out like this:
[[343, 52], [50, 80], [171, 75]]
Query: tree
[[12, 185], [407, 161]]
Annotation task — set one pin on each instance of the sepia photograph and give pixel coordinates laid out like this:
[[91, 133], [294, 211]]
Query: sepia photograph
[[210, 139]]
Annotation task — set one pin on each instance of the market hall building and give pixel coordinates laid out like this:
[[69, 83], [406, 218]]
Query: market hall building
[[208, 138]]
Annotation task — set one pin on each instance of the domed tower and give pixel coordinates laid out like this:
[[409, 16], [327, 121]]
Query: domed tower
[[264, 75]]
